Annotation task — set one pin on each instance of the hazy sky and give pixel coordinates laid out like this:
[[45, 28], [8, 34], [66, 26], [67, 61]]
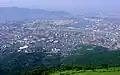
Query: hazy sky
[[69, 5]]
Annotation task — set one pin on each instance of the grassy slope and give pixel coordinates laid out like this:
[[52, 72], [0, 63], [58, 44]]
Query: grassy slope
[[87, 73], [97, 73]]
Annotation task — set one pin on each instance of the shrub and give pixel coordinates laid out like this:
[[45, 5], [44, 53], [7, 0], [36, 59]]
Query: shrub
[[67, 73], [62, 74]]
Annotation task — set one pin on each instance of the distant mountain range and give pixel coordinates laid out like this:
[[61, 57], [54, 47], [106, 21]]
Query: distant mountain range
[[15, 13]]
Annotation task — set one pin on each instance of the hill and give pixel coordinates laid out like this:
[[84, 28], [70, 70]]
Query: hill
[[26, 61], [84, 49], [15, 13], [93, 55], [82, 55]]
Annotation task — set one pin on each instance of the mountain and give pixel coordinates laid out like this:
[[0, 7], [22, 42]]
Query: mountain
[[15, 13]]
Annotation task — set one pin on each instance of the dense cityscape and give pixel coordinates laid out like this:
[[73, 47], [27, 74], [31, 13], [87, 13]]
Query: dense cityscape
[[57, 35]]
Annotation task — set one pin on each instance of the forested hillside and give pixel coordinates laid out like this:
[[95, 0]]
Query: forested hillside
[[82, 55]]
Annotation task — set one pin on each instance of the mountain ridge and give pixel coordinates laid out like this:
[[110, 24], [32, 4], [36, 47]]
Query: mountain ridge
[[15, 13]]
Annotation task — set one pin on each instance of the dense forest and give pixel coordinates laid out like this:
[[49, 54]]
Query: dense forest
[[86, 58]]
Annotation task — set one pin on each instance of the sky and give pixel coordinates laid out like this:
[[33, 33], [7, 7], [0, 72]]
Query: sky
[[68, 5]]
